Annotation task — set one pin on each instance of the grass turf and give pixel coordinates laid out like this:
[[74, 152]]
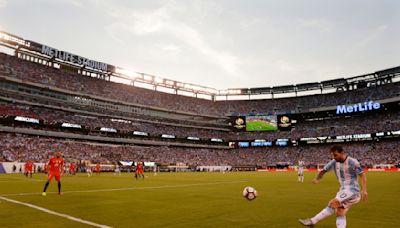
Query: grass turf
[[193, 200]]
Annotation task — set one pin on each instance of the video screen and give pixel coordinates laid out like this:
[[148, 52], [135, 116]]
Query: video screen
[[261, 123]]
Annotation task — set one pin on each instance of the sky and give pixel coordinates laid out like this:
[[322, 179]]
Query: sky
[[219, 43]]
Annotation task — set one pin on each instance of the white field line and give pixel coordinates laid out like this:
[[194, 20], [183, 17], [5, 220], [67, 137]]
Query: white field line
[[55, 213], [133, 188], [22, 179]]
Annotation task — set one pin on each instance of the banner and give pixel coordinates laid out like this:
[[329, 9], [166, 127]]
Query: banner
[[284, 122], [76, 59], [55, 53], [238, 123]]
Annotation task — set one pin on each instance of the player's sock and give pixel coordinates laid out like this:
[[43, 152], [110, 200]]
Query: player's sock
[[45, 186], [326, 212], [59, 187], [341, 221]]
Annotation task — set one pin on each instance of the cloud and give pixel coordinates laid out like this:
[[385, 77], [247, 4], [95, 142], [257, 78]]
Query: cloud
[[319, 24], [194, 39], [148, 22], [246, 23], [164, 22], [3, 3], [76, 3], [113, 30], [283, 71], [372, 36], [285, 67], [170, 48], [366, 41]]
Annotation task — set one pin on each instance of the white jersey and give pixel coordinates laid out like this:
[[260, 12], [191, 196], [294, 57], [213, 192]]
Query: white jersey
[[346, 173], [300, 169]]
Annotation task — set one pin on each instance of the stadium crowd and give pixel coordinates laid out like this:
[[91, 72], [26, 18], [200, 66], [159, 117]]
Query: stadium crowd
[[371, 123], [17, 147], [33, 72]]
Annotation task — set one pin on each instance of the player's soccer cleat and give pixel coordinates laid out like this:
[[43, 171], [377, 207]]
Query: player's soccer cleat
[[43, 194], [306, 222], [60, 193]]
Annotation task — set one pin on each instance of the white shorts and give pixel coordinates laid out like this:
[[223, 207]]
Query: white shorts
[[300, 171], [348, 198]]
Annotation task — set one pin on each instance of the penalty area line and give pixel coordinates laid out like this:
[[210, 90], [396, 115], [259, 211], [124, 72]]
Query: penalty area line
[[156, 187], [21, 179], [133, 188], [55, 213]]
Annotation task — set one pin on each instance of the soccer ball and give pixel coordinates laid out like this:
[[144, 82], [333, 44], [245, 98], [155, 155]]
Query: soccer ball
[[249, 193]]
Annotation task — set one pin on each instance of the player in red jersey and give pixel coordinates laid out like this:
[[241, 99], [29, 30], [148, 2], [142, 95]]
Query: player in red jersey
[[139, 170], [55, 169], [98, 168], [29, 168], [72, 168]]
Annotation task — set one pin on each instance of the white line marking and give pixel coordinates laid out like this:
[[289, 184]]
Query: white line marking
[[23, 179], [134, 188], [55, 213]]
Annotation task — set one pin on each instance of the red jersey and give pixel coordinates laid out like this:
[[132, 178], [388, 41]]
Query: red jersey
[[56, 165], [72, 167], [98, 168], [139, 167], [28, 166]]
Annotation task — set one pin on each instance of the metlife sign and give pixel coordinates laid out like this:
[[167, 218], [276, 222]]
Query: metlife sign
[[66, 56], [360, 107]]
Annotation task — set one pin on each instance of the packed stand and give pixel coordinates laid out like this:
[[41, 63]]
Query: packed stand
[[17, 147], [371, 123], [34, 72]]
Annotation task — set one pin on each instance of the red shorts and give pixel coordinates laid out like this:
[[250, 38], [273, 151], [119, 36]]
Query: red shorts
[[139, 171], [55, 175]]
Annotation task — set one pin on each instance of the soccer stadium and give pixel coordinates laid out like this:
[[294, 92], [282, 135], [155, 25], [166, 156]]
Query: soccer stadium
[[196, 148]]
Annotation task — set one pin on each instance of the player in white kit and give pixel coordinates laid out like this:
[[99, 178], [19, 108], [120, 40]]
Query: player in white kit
[[347, 169], [117, 170], [88, 170], [300, 171], [155, 168]]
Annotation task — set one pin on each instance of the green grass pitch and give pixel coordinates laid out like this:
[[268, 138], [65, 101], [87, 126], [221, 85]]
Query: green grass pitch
[[192, 200]]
